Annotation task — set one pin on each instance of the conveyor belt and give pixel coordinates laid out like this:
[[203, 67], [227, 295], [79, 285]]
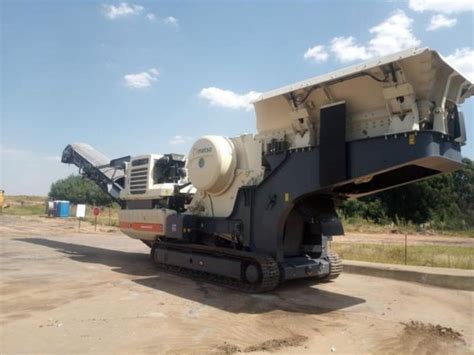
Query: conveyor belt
[[95, 166]]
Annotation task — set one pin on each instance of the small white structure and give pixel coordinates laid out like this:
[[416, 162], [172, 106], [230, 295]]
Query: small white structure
[[81, 211]]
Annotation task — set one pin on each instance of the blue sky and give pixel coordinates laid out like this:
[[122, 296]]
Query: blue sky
[[150, 77]]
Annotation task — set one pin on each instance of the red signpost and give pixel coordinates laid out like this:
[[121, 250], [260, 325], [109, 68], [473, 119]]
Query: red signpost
[[96, 212]]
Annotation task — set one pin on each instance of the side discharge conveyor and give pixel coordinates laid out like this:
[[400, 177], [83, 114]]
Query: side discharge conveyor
[[253, 211], [107, 174]]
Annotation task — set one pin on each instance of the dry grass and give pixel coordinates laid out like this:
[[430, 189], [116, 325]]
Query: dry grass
[[107, 217], [35, 206], [362, 226], [24, 205], [421, 255]]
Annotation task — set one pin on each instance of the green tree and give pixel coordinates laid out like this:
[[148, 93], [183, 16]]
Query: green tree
[[446, 201], [77, 189]]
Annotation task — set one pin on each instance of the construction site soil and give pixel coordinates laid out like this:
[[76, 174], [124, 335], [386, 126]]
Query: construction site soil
[[65, 290]]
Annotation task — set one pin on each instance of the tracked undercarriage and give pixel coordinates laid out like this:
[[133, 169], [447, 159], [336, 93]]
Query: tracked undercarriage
[[253, 211], [240, 270]]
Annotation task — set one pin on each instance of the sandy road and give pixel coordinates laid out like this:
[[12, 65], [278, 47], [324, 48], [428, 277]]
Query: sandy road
[[68, 292]]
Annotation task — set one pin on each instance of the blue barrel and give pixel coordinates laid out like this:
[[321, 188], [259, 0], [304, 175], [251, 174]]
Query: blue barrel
[[62, 209]]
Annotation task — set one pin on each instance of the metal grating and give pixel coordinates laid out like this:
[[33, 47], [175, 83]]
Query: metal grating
[[138, 180]]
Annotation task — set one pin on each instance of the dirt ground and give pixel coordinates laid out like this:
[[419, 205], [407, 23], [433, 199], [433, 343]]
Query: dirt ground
[[68, 291]]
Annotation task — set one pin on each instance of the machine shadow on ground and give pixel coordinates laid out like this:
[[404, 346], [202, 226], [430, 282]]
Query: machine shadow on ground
[[295, 296]]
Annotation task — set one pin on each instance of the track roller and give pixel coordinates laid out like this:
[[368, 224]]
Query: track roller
[[236, 269]]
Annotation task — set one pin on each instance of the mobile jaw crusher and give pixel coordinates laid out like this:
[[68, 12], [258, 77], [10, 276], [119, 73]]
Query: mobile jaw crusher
[[253, 211]]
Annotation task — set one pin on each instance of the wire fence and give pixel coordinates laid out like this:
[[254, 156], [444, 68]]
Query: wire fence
[[434, 255]]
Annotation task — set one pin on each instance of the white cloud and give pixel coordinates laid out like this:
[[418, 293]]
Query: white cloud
[[347, 50], [142, 80], [170, 20], [463, 59], [316, 54], [444, 6], [125, 9], [229, 99], [155, 72], [177, 140], [440, 21], [390, 36], [122, 10], [393, 35]]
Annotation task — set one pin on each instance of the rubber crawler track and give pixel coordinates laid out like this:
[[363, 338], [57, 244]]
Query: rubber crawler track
[[270, 273]]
